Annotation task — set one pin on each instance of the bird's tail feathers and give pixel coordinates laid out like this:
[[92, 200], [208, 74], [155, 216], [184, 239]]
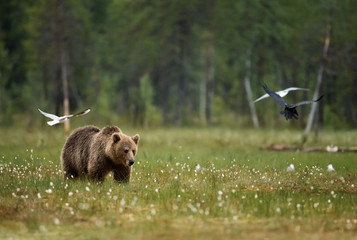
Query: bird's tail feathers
[[289, 114]]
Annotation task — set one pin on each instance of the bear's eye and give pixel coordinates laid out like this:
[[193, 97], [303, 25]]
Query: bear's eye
[[134, 152], [126, 151]]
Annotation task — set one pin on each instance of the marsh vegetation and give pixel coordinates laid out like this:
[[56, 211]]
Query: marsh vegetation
[[186, 183]]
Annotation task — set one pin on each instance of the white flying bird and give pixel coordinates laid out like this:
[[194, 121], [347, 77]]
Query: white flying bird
[[291, 168], [330, 168], [57, 119], [282, 93]]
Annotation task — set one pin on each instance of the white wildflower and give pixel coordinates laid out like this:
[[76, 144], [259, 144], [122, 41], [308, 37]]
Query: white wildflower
[[83, 206], [56, 221], [291, 168]]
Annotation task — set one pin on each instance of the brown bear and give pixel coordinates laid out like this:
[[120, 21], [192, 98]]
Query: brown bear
[[94, 152]]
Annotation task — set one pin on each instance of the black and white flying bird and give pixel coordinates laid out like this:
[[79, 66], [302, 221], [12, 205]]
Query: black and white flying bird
[[57, 119], [289, 109], [282, 93]]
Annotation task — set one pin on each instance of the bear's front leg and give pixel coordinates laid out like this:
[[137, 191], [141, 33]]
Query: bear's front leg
[[96, 173], [70, 174], [122, 173], [96, 176]]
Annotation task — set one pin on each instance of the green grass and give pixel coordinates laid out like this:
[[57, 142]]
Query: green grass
[[238, 191]]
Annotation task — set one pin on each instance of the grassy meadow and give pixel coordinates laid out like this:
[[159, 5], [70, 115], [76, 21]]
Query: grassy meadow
[[188, 183]]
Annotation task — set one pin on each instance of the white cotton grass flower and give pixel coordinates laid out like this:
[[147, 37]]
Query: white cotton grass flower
[[198, 167], [43, 228], [56, 221], [83, 206], [153, 211], [49, 191], [291, 168], [330, 168]]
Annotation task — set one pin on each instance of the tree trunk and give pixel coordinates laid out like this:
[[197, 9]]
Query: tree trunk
[[314, 107], [181, 88], [280, 75], [164, 89], [45, 80], [182, 75], [248, 89], [209, 79], [202, 100], [67, 126], [61, 63]]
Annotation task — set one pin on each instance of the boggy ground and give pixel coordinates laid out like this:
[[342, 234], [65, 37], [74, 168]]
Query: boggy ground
[[186, 184]]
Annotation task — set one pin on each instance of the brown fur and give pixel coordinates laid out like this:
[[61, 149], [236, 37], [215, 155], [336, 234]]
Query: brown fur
[[94, 152]]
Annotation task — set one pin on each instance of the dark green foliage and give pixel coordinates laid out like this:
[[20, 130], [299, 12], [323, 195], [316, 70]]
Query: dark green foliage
[[191, 55]]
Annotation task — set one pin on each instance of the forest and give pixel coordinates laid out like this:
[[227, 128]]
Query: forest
[[211, 162], [179, 63]]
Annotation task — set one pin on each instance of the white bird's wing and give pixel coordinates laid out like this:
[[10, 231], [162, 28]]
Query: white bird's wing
[[49, 115], [296, 88], [262, 97], [62, 120], [57, 119], [285, 92], [54, 122]]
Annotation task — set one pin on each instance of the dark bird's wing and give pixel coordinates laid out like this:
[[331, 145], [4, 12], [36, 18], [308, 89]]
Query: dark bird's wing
[[274, 95], [306, 102], [80, 113]]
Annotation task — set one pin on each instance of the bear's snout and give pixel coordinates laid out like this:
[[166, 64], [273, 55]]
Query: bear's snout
[[131, 162]]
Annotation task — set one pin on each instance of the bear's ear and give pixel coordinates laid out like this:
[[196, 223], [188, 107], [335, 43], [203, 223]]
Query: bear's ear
[[136, 138], [116, 138], [109, 130]]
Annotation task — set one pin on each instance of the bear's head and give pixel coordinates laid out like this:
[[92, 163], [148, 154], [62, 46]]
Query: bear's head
[[122, 148]]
